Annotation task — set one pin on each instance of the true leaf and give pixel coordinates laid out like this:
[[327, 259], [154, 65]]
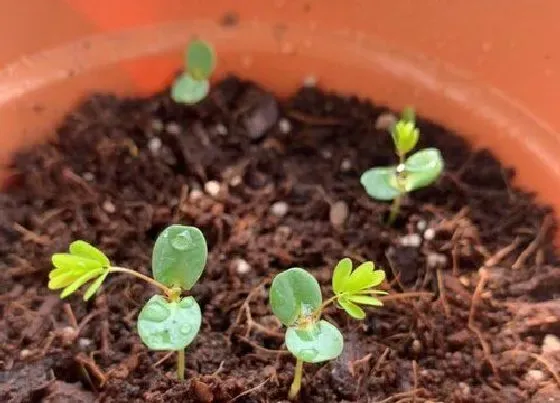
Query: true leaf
[[179, 256], [423, 168], [341, 275], [365, 276], [73, 263], [189, 91], [365, 300], [352, 309], [92, 289], [84, 249], [380, 183], [321, 342], [405, 136], [81, 281], [292, 293], [200, 60], [408, 114], [169, 326], [62, 280]]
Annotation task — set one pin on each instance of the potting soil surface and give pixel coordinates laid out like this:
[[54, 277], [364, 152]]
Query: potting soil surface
[[273, 184]]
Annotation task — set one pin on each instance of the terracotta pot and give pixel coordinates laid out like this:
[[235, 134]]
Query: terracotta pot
[[473, 66]]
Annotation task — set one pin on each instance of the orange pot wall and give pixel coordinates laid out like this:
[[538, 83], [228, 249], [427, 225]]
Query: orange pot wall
[[489, 69]]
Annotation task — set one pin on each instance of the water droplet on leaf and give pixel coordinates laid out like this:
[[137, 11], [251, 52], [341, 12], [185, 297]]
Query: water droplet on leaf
[[308, 354], [182, 241], [186, 329], [155, 313]]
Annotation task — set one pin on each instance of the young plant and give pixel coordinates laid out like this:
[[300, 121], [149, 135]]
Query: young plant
[[166, 322], [418, 170], [192, 85], [296, 300]]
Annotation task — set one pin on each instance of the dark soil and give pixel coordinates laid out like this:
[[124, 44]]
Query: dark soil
[[120, 170]]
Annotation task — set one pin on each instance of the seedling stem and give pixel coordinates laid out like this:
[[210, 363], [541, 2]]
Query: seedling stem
[[296, 384]]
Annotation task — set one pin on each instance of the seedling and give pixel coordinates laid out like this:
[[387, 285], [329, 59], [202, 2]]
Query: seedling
[[418, 170], [296, 300], [192, 85], [166, 322]]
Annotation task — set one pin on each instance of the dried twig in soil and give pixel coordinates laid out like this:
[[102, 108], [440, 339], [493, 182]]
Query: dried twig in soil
[[248, 391], [442, 296], [533, 246], [415, 372], [497, 257], [475, 300], [90, 364]]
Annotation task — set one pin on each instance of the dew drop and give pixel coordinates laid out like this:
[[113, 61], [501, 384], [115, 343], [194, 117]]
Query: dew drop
[[185, 329], [155, 313], [186, 302], [308, 354], [182, 241]]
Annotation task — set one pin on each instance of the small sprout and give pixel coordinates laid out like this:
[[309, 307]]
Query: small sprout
[[166, 322], [296, 300], [417, 171], [192, 85]]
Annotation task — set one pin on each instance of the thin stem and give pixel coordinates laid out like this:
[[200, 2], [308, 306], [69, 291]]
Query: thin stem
[[296, 384], [395, 207], [318, 311], [181, 365], [168, 291]]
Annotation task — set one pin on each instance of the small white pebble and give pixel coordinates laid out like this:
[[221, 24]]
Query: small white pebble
[[465, 389], [338, 213], [284, 126], [84, 343], [385, 121], [310, 81], [212, 188], [25, 353], [157, 125], [221, 130], [88, 176], [109, 207], [535, 375], [235, 181], [421, 225], [346, 165], [436, 260], [411, 240], [279, 209], [173, 128], [326, 154], [465, 281], [68, 335], [417, 346], [429, 234], [154, 145], [551, 344], [242, 267], [195, 194]]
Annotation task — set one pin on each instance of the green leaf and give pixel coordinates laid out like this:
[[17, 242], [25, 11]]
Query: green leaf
[[81, 281], [63, 280], [381, 183], [365, 300], [92, 289], [408, 114], [84, 249], [169, 326], [294, 292], [321, 342], [423, 168], [352, 309], [341, 275], [179, 256], [200, 60], [405, 136], [365, 276], [72, 263], [189, 91]]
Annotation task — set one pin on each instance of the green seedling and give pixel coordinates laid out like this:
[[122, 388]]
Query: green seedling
[[167, 322], [296, 300], [192, 85], [414, 172]]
